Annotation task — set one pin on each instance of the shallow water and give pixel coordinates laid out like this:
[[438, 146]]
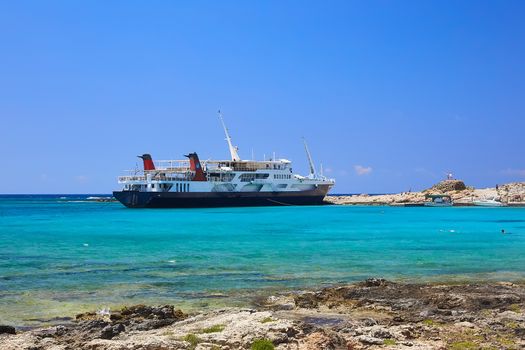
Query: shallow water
[[61, 256]]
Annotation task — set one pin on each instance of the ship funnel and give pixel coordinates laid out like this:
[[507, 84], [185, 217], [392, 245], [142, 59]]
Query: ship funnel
[[195, 165], [148, 162]]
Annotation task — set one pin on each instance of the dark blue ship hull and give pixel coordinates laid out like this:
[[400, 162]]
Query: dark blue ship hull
[[136, 199]]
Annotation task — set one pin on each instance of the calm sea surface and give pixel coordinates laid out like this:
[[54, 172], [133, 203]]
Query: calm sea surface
[[59, 256]]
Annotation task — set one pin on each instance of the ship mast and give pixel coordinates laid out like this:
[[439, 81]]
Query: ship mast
[[233, 149], [310, 161]]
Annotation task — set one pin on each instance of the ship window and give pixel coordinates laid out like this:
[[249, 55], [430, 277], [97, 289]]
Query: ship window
[[247, 177], [228, 177], [251, 177]]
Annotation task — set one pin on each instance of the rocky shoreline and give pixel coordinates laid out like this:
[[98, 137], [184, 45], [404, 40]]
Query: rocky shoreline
[[513, 194], [373, 314]]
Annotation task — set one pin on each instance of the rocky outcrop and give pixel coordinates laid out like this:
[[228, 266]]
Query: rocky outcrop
[[513, 194], [373, 314], [448, 186], [386, 199], [7, 329]]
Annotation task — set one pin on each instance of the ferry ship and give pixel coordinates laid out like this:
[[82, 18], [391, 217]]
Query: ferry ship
[[235, 182]]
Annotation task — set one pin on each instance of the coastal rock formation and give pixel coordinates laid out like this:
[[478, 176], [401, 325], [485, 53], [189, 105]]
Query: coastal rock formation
[[448, 186], [373, 314], [7, 329], [386, 199], [512, 193]]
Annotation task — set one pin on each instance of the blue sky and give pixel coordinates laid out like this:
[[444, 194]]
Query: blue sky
[[391, 95]]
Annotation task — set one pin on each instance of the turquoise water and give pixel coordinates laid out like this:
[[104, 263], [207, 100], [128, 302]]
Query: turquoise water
[[61, 256]]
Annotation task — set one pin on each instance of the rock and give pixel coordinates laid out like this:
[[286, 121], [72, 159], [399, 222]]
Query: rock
[[110, 331], [86, 316], [465, 325], [369, 322], [427, 313], [7, 329], [368, 340], [512, 192], [284, 306], [448, 186], [447, 301], [306, 300], [408, 332], [520, 332], [158, 312], [154, 324], [461, 194], [375, 282], [373, 314], [511, 315], [323, 339], [495, 301], [381, 333], [52, 332], [61, 330], [116, 316]]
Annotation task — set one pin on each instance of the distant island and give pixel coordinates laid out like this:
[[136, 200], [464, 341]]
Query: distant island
[[512, 194]]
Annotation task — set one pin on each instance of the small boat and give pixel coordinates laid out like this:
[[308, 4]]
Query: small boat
[[439, 200], [489, 202]]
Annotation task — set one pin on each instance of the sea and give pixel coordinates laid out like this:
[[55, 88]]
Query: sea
[[65, 254]]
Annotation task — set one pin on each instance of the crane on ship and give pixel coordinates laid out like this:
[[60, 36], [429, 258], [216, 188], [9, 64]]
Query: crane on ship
[[313, 173], [233, 149]]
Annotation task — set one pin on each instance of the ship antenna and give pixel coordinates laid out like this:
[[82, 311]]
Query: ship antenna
[[233, 149], [310, 161]]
